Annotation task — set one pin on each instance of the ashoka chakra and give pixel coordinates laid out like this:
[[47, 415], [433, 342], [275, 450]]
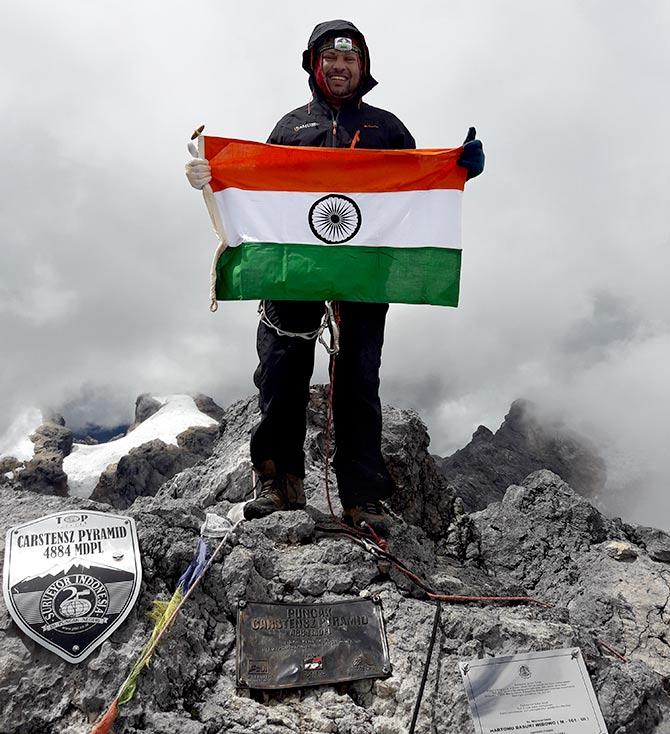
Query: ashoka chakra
[[335, 218]]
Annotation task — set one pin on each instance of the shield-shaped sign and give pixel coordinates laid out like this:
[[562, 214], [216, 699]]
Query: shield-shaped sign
[[70, 579]]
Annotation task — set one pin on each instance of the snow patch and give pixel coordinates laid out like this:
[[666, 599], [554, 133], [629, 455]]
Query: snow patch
[[15, 441], [86, 463]]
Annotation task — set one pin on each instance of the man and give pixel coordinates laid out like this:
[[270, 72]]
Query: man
[[338, 63]]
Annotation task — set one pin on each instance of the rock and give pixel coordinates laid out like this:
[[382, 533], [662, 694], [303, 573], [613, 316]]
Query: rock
[[620, 551], [199, 440], [88, 440], [141, 473], [542, 539], [8, 464], [545, 538], [51, 416], [481, 472], [52, 438], [206, 405], [43, 474], [145, 407], [422, 496], [656, 542]]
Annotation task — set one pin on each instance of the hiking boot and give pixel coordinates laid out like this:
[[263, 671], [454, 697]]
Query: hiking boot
[[278, 492], [371, 513]]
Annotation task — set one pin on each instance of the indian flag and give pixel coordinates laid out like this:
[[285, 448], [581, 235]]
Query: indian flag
[[305, 223]]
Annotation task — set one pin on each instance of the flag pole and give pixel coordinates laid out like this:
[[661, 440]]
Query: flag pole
[[215, 217]]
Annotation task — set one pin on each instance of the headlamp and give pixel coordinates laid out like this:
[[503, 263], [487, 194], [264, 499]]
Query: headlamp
[[340, 43]]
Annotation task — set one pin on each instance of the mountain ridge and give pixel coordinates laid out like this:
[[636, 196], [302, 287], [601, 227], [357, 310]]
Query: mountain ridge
[[608, 583]]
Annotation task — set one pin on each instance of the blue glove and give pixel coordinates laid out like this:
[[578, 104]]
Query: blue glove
[[472, 156]]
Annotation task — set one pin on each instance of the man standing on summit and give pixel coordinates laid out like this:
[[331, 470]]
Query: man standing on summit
[[338, 63]]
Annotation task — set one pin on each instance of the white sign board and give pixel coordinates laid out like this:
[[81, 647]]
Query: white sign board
[[535, 693], [70, 579]]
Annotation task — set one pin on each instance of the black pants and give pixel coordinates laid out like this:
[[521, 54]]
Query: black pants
[[283, 378]]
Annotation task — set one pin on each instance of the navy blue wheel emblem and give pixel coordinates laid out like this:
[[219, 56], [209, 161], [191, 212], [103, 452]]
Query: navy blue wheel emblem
[[335, 219]]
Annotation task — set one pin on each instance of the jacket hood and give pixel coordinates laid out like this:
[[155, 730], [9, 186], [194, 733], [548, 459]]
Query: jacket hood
[[343, 28]]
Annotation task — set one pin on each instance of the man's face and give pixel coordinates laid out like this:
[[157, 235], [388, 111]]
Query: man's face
[[342, 71]]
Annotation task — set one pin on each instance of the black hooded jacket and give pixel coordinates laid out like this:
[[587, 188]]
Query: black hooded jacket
[[317, 124]]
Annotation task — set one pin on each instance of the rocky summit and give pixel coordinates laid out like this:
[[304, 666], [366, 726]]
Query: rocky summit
[[608, 584]]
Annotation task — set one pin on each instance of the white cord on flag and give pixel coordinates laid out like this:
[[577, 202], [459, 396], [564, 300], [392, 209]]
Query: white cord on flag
[[215, 217]]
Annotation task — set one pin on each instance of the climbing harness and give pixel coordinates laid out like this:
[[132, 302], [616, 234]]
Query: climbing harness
[[327, 322]]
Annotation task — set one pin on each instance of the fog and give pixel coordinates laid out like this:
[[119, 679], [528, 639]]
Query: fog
[[106, 249]]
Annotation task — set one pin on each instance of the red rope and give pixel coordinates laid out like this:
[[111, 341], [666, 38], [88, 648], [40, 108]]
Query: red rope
[[329, 423], [371, 536], [612, 651]]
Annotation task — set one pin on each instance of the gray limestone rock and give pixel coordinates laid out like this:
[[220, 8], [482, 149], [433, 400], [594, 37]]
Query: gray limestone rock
[[542, 539], [480, 472], [145, 407], [147, 467], [8, 464], [199, 440], [656, 543], [206, 405], [52, 437], [43, 474], [405, 447]]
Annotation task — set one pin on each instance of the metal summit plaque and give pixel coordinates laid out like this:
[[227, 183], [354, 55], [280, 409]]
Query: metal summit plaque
[[547, 692], [70, 579], [292, 645]]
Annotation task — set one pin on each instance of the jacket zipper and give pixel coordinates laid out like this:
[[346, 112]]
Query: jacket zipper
[[334, 131]]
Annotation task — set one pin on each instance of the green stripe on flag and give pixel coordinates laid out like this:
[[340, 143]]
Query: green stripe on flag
[[286, 272]]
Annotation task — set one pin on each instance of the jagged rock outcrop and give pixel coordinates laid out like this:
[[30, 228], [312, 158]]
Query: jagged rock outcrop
[[480, 472], [8, 464], [142, 471], [168, 435], [206, 405], [405, 447], [145, 406], [542, 539], [53, 436], [44, 473]]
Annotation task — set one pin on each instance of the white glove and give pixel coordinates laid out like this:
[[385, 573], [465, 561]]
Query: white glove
[[198, 173]]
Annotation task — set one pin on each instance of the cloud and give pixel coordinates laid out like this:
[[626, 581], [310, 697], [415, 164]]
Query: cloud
[[106, 250]]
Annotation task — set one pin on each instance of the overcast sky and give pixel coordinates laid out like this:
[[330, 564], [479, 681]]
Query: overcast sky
[[106, 249]]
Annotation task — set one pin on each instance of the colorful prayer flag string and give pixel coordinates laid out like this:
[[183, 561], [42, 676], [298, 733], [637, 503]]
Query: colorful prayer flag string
[[163, 614]]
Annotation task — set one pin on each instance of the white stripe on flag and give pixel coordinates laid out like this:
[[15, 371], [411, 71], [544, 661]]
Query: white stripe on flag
[[396, 218]]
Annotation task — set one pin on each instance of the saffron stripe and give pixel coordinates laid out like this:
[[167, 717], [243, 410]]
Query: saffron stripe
[[261, 167]]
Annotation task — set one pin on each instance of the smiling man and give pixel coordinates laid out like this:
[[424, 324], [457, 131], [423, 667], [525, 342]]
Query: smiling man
[[338, 63]]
